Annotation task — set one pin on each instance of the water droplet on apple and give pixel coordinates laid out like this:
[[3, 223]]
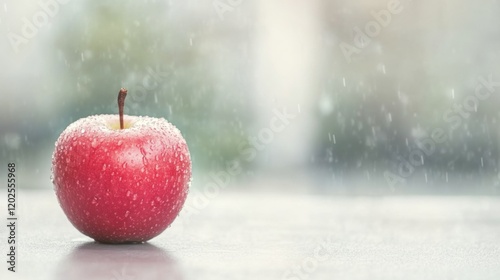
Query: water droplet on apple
[[94, 143], [120, 142], [128, 193], [142, 170], [134, 197], [124, 165], [83, 130], [127, 213], [103, 167], [157, 167]]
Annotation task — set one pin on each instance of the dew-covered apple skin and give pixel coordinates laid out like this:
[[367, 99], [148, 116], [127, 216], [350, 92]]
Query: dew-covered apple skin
[[119, 186]]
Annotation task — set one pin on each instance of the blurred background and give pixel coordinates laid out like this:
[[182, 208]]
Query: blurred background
[[346, 97]]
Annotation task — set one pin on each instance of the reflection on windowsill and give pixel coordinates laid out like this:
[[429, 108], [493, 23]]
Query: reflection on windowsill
[[118, 262]]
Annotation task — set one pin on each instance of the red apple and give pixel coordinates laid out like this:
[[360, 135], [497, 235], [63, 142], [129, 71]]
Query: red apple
[[121, 179]]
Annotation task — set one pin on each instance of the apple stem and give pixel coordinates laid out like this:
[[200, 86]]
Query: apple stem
[[121, 103]]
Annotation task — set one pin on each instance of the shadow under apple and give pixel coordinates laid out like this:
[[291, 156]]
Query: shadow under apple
[[118, 262]]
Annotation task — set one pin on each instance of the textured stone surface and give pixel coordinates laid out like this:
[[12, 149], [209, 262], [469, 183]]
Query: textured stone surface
[[264, 236]]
